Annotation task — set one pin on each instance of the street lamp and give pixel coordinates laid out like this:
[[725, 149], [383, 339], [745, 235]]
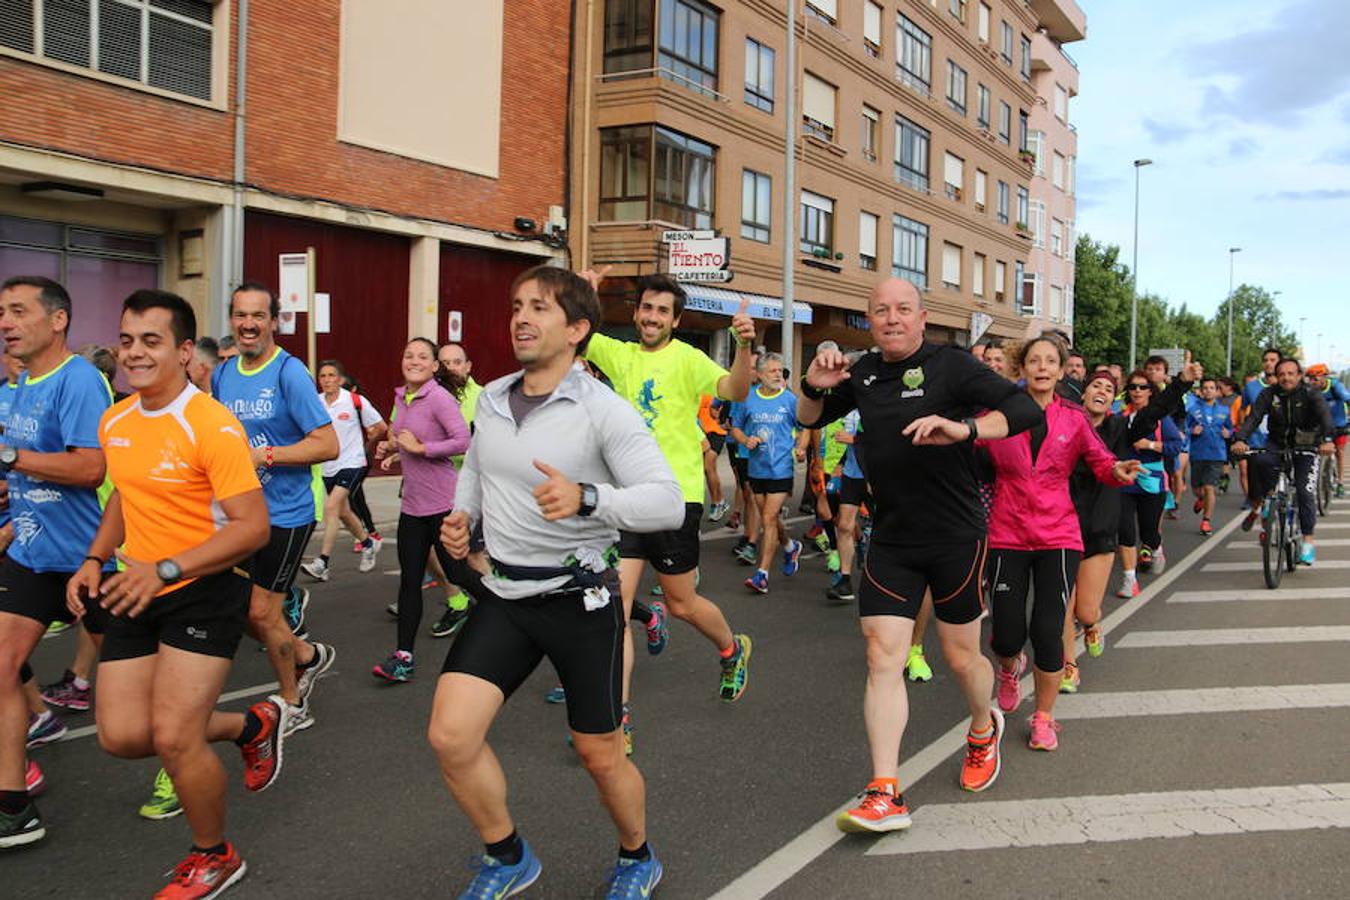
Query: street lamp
[[1134, 268], [1302, 347], [1231, 252], [1319, 345]]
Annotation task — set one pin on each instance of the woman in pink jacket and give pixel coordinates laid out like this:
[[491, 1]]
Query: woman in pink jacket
[[1034, 534]]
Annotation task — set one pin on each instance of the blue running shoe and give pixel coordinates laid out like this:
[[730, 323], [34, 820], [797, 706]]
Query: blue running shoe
[[634, 879], [792, 553], [45, 729], [496, 881], [1308, 555], [658, 633], [294, 607], [398, 667], [556, 695], [758, 582]]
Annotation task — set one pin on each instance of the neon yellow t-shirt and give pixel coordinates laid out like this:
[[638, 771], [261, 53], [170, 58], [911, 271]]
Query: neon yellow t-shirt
[[665, 387]]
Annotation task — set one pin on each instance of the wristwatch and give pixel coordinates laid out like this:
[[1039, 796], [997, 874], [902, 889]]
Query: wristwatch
[[9, 456], [169, 571], [589, 498], [973, 427]]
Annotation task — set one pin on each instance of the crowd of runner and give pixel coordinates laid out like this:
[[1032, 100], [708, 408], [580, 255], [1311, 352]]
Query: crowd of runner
[[942, 486]]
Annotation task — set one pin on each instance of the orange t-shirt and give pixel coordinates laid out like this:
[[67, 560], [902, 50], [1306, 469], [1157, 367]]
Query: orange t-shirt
[[707, 419], [171, 467]]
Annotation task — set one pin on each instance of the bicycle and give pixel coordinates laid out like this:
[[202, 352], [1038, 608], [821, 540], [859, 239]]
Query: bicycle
[[1326, 484], [1281, 536]]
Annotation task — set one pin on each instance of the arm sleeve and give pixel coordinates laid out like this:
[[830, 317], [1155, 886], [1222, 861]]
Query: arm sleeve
[[370, 416], [301, 398], [469, 487], [838, 403], [1163, 404], [601, 350], [738, 416], [646, 497], [1255, 416], [447, 415], [1322, 412], [82, 403], [225, 455], [980, 387], [1094, 452]]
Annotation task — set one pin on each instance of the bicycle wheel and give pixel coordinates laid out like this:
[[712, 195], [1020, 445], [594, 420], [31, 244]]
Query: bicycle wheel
[[1273, 548], [1324, 486], [1293, 539]]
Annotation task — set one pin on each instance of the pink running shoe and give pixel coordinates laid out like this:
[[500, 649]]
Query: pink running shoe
[[1044, 732], [1009, 694]]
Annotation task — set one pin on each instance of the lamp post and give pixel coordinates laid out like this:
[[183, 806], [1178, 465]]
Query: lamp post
[[1302, 347], [1319, 345], [790, 188], [1232, 251], [1134, 267]]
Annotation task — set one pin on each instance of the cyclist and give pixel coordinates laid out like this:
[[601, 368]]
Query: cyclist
[[1298, 419], [1337, 397]]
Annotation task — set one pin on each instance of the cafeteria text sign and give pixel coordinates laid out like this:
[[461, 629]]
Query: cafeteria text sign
[[697, 256]]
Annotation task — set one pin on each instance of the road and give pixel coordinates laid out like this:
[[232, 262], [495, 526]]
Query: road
[[1205, 756]]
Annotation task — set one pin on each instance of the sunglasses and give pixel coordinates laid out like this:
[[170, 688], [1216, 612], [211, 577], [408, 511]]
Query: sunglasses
[[1136, 387]]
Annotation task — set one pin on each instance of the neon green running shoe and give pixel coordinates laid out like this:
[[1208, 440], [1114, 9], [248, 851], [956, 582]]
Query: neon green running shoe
[[1069, 682], [57, 627], [916, 666], [822, 542], [163, 803], [736, 671], [1093, 641], [832, 562]]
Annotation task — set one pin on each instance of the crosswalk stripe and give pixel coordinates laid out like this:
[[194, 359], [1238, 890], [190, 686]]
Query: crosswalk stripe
[[1255, 566], [1199, 701], [1209, 637], [1122, 817], [1333, 526], [1251, 544], [1257, 593]]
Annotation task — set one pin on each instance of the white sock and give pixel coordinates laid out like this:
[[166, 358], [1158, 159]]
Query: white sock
[[1129, 574]]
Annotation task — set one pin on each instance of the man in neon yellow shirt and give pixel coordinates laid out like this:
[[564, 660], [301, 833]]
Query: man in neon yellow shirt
[[664, 377]]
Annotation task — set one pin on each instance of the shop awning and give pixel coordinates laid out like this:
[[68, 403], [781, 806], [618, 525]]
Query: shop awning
[[723, 302]]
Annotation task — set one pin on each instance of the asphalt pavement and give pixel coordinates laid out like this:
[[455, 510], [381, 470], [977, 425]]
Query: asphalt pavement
[[1205, 756]]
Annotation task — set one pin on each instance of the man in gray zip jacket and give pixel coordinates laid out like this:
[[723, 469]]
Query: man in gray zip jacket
[[558, 464]]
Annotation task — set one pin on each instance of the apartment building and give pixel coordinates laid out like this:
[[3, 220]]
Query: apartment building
[[912, 142], [188, 144]]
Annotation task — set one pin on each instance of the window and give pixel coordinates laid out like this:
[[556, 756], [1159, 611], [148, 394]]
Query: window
[[956, 87], [1000, 279], [1061, 103], [1023, 207], [1057, 169], [156, 43], [914, 63], [958, 9], [1026, 57], [872, 28], [867, 241], [1025, 290], [982, 23], [756, 205], [817, 225], [1002, 208], [759, 75], [980, 179], [871, 129], [1036, 144], [818, 107], [951, 266], [688, 44], [1004, 122], [977, 274], [1006, 50], [1036, 213], [1057, 304], [982, 106], [953, 175], [1056, 237], [911, 154], [648, 173], [1071, 176], [1023, 130], [827, 10], [628, 35], [909, 250]]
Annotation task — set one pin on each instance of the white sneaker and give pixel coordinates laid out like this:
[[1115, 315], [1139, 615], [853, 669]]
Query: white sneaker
[[1159, 561], [297, 719], [317, 569], [368, 557], [377, 541], [308, 676], [392, 609]]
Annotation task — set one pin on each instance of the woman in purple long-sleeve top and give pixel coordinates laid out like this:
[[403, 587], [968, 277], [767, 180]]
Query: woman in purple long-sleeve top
[[426, 430]]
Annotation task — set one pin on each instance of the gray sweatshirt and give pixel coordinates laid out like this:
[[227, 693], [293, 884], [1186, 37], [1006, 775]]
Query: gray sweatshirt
[[591, 435]]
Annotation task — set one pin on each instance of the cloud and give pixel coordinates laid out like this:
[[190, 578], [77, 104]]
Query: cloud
[[1241, 148], [1166, 133], [1321, 194], [1337, 157]]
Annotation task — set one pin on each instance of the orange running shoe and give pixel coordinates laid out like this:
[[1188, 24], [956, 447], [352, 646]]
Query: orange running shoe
[[983, 759], [878, 810], [204, 875]]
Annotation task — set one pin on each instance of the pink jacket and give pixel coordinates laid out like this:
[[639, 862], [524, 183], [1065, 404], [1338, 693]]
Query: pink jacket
[[1032, 508]]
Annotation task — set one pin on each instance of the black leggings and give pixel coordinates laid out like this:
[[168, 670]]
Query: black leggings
[[357, 501], [417, 536], [1141, 519], [1264, 473], [1054, 572]]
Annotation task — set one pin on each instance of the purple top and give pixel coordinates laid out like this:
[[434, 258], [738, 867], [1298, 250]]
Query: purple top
[[434, 419]]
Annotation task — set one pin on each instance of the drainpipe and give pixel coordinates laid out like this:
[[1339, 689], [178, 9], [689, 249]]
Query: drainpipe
[[236, 230]]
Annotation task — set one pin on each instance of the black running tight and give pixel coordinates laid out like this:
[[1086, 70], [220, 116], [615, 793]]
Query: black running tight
[[417, 536], [1013, 572], [1141, 519], [357, 501]]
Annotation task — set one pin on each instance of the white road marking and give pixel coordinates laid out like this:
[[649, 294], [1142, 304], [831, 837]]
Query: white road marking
[[722, 533], [1122, 817], [1251, 544], [88, 730], [1209, 637], [785, 862], [1200, 701], [1245, 594], [1254, 566]]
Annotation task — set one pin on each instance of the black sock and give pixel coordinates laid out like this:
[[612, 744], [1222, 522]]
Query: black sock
[[641, 613], [508, 851], [829, 533], [313, 661], [368, 542], [218, 850], [13, 802], [641, 854], [323, 557], [252, 728]]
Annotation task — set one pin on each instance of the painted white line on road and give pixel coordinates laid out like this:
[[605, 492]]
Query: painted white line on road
[[1199, 701], [1245, 594], [1122, 817], [1209, 637], [1251, 543], [785, 862], [88, 730], [1333, 526], [1254, 566]]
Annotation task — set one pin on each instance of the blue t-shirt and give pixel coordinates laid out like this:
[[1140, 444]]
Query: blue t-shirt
[[737, 450], [772, 420], [1250, 391], [1337, 396], [277, 406], [7, 391], [1210, 445], [54, 524], [853, 425]]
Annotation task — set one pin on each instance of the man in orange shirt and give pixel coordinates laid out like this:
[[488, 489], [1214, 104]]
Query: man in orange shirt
[[186, 508]]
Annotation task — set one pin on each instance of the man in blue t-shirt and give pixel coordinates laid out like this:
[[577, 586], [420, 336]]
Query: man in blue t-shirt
[[50, 457], [1208, 424], [764, 425], [1270, 357]]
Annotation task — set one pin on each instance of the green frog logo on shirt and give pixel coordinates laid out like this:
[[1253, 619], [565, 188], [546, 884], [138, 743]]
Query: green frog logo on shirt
[[646, 400], [913, 377]]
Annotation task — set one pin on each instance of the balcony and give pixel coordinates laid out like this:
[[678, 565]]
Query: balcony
[[1063, 20]]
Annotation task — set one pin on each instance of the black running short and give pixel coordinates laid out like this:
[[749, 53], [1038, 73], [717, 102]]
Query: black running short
[[669, 552], [275, 566], [1205, 472], [771, 485], [895, 578], [205, 616], [1099, 543], [852, 491], [715, 442], [740, 467], [42, 596], [504, 641], [344, 478]]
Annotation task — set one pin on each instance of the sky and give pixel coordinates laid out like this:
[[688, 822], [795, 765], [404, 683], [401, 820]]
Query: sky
[[1244, 108]]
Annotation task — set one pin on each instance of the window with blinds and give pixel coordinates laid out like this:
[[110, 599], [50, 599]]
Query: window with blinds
[[909, 250], [817, 225], [818, 107], [977, 275], [872, 28], [951, 265], [867, 240], [165, 44], [953, 175], [981, 180]]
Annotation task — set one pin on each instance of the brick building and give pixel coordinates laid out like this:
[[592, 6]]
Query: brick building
[[399, 138]]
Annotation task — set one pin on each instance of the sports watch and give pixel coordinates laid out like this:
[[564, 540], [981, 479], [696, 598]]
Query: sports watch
[[169, 571], [9, 456], [590, 497]]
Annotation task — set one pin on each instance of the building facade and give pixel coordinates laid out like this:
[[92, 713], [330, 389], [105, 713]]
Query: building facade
[[188, 144], [912, 140]]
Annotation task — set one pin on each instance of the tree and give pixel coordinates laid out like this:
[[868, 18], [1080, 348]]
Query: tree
[[1257, 324], [1101, 302], [1198, 335]]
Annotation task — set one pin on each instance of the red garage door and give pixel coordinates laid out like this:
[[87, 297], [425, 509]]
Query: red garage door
[[475, 283]]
